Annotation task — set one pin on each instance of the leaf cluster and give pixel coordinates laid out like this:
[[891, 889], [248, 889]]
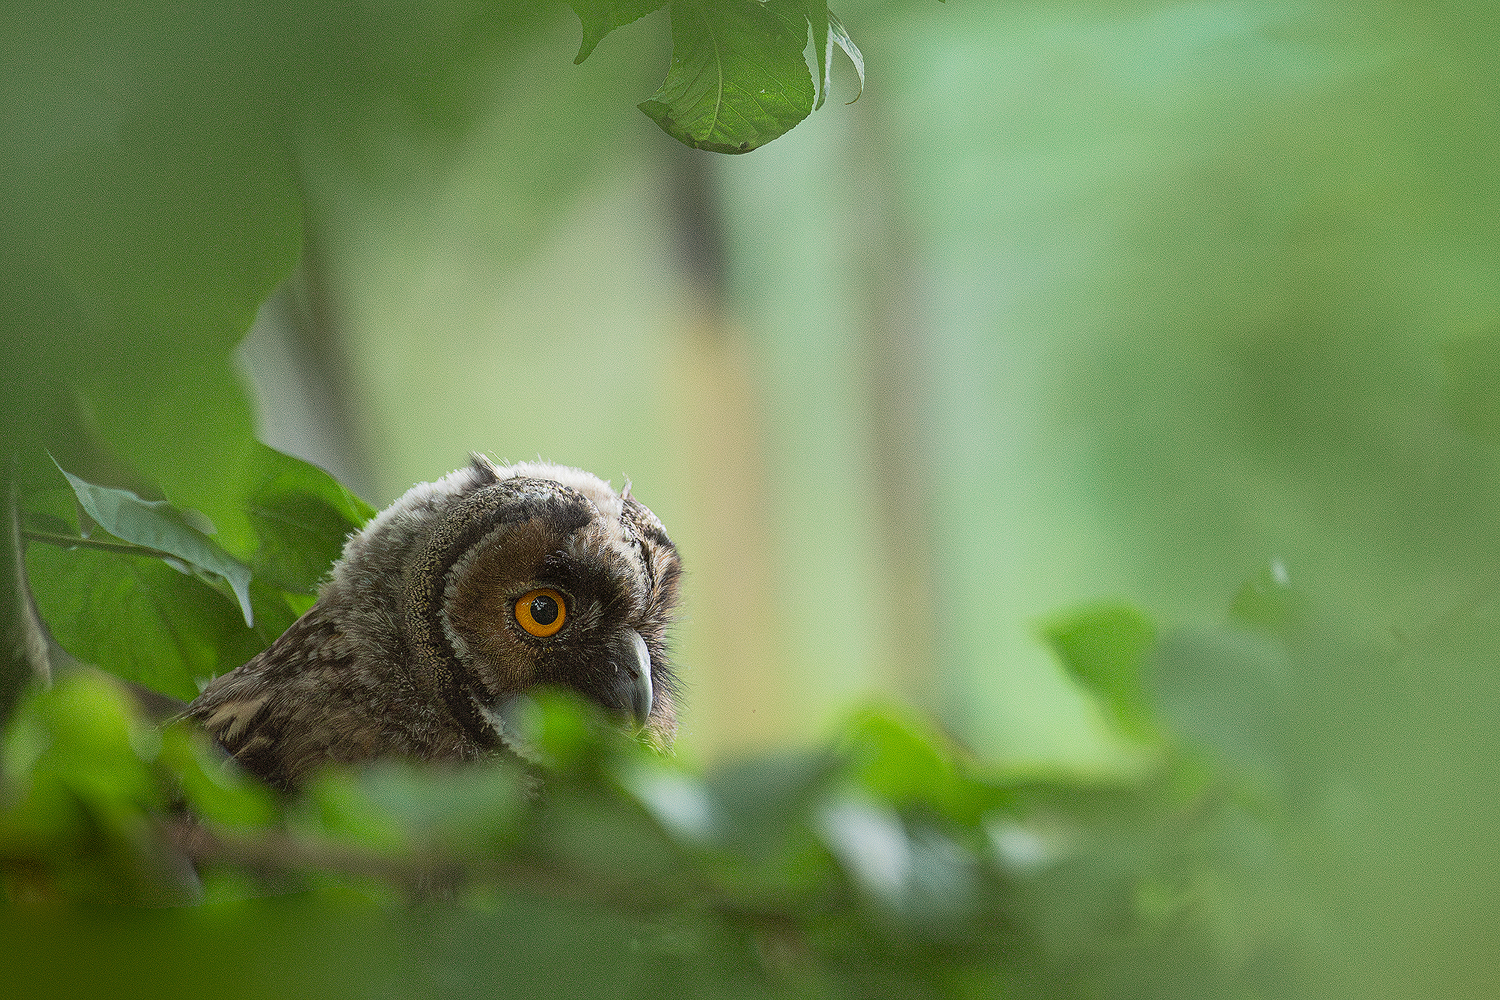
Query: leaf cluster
[[887, 860], [180, 607]]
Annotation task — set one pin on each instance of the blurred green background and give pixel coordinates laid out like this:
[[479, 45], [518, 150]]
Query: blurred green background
[[1151, 302], [1078, 301]]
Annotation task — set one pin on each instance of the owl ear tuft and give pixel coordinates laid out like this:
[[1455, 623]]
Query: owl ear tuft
[[488, 474]]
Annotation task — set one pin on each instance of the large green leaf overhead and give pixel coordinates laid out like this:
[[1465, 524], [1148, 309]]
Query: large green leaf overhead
[[739, 75]]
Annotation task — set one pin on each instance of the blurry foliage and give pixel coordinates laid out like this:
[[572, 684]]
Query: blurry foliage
[[1314, 811], [886, 864]]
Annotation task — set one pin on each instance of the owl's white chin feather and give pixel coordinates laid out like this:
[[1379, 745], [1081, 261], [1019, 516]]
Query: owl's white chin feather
[[509, 720]]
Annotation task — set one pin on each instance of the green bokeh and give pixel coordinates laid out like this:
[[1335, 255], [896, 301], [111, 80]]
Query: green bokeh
[[1186, 307]]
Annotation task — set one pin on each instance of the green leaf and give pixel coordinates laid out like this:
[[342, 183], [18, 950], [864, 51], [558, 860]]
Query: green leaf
[[275, 610], [914, 873], [840, 37], [157, 525], [762, 797], [83, 729], [464, 808], [822, 49], [301, 517], [215, 790], [600, 17], [762, 810], [903, 761], [334, 805], [679, 802], [738, 78], [139, 618], [1104, 647], [567, 732], [828, 31]]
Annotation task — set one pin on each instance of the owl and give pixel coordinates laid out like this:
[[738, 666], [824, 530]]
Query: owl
[[448, 608]]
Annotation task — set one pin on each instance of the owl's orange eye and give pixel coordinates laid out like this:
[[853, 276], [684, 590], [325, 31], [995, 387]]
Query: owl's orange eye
[[541, 612]]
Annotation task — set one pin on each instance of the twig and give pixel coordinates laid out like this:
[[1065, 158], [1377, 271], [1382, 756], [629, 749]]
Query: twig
[[425, 873], [79, 542]]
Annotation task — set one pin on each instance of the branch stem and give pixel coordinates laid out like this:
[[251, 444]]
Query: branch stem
[[79, 542]]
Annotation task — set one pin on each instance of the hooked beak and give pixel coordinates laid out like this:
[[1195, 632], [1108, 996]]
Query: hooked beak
[[629, 689]]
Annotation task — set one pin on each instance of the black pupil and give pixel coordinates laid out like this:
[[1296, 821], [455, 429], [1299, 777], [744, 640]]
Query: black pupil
[[543, 610]]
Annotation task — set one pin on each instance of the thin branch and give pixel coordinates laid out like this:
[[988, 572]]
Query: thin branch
[[79, 542], [23, 639], [425, 873]]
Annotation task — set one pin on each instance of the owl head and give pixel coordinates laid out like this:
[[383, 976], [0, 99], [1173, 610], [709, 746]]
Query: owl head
[[447, 609]]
